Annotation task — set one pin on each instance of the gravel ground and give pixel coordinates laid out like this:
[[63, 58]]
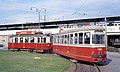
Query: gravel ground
[[113, 62], [3, 48]]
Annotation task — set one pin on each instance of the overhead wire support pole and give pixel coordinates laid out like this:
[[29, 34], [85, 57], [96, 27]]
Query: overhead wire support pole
[[44, 14], [37, 10]]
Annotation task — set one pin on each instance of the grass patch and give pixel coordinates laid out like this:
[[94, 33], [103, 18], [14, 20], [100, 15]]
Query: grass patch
[[112, 49], [25, 62]]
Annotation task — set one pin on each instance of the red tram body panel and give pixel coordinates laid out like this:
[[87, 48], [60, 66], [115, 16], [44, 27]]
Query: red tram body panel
[[35, 46], [81, 53]]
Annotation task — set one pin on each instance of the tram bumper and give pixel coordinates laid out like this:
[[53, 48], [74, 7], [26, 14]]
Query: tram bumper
[[99, 58]]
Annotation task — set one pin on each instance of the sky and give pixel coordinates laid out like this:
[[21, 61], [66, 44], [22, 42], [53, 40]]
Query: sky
[[19, 11]]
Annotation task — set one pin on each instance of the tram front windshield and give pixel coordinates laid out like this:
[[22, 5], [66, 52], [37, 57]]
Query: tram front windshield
[[98, 39]]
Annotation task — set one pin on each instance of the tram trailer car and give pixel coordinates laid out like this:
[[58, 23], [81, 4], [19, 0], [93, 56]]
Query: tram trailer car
[[30, 42], [86, 43]]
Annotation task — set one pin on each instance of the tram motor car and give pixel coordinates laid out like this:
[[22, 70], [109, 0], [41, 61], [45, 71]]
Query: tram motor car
[[86, 43]]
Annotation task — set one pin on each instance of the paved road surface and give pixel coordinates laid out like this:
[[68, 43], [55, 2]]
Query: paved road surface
[[113, 62]]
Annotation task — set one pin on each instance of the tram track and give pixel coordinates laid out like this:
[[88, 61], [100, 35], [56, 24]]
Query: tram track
[[85, 67], [75, 67], [99, 69]]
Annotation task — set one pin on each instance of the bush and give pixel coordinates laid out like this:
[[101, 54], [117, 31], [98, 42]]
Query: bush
[[112, 49]]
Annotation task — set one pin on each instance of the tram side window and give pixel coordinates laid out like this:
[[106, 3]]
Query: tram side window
[[41, 40], [38, 40], [32, 39], [11, 40], [51, 39], [68, 38], [62, 39], [71, 38], [65, 39], [97, 39], [58, 39], [54, 39], [44, 40], [75, 38], [26, 40], [16, 40], [21, 39], [87, 38], [80, 38]]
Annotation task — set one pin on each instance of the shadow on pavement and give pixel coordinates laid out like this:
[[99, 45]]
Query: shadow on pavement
[[106, 62]]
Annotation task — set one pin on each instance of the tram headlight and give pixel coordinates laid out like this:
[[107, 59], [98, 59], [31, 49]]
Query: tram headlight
[[99, 49]]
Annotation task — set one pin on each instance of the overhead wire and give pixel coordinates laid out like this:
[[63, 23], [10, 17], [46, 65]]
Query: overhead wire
[[74, 13], [80, 7]]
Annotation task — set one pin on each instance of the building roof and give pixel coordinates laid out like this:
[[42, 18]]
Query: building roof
[[54, 24]]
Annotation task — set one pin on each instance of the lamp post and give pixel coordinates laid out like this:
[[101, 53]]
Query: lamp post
[[37, 10]]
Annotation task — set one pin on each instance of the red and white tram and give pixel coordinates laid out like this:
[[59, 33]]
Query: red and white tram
[[30, 41], [86, 43]]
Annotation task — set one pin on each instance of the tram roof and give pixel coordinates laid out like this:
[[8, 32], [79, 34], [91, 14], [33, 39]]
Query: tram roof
[[82, 28], [27, 35]]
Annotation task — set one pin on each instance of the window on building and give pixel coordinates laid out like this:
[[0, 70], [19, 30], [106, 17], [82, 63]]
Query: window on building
[[110, 24]]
